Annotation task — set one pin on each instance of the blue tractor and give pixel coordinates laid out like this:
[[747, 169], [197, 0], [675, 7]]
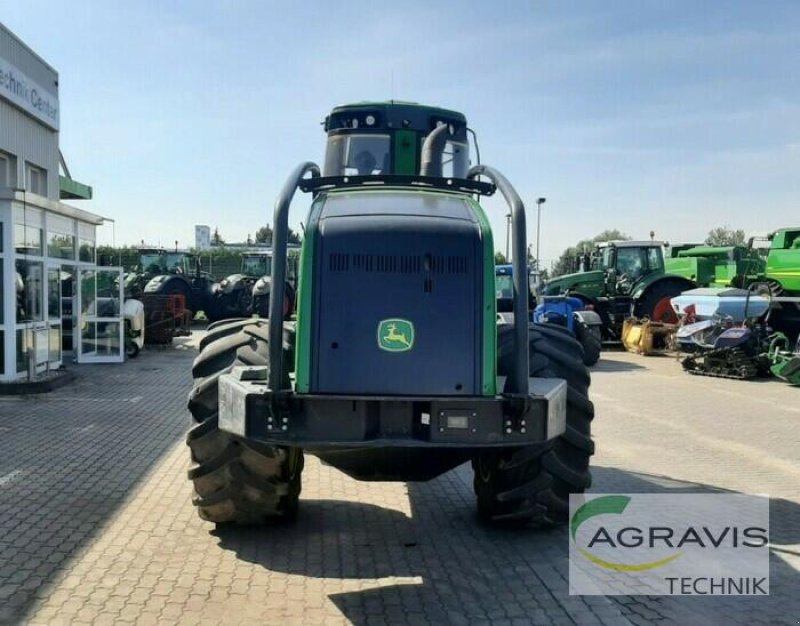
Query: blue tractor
[[564, 311]]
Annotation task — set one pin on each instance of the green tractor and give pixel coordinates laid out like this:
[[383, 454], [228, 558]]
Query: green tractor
[[395, 367], [623, 279]]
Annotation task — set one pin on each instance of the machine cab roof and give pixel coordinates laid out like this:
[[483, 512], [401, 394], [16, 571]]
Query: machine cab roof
[[374, 138]]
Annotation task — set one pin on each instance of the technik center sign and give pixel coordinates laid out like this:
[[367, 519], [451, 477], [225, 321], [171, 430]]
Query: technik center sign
[[22, 92], [669, 544]]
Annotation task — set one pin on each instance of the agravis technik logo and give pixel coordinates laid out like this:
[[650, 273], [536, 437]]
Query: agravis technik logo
[[675, 544]]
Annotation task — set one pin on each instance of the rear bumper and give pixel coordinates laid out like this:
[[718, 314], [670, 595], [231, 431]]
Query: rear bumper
[[247, 408]]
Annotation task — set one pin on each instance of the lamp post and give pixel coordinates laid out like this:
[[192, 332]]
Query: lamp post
[[539, 203], [508, 236]]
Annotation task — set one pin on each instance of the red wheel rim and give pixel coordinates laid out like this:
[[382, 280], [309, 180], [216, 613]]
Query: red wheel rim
[[663, 312]]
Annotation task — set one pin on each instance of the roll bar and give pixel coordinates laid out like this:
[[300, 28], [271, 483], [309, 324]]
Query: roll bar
[[520, 361], [280, 237]]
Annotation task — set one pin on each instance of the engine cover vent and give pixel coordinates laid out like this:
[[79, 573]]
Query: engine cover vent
[[398, 264]]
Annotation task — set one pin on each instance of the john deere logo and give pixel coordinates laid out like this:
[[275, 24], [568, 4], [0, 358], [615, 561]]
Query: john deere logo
[[395, 335]]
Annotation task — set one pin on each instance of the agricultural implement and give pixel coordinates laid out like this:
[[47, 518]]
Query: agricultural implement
[[734, 341], [784, 362], [396, 367], [716, 266]]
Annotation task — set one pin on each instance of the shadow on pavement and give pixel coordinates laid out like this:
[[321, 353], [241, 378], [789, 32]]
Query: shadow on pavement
[[470, 572], [608, 363], [69, 459]]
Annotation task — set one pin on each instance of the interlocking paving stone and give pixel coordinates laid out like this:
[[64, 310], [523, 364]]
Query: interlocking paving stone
[[98, 527]]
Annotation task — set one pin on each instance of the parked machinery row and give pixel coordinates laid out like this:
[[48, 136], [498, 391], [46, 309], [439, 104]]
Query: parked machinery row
[[620, 279]]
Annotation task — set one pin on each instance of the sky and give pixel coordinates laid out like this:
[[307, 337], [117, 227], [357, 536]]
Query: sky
[[673, 117]]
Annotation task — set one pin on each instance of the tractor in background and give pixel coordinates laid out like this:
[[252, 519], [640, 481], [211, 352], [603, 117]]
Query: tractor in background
[[395, 367], [623, 279], [172, 288], [565, 311], [180, 275], [263, 286], [233, 295], [152, 262], [247, 292]]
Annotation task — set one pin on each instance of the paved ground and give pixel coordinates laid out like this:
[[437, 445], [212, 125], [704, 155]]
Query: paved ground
[[96, 523]]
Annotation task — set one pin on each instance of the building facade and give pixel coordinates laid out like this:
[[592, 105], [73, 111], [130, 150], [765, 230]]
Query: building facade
[[45, 244]]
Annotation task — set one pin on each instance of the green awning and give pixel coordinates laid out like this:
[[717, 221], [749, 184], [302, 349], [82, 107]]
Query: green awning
[[73, 190]]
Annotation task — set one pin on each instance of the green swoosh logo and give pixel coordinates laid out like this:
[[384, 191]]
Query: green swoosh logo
[[602, 506], [598, 506]]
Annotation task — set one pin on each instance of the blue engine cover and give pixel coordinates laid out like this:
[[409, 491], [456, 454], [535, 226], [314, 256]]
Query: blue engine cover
[[558, 310], [410, 257]]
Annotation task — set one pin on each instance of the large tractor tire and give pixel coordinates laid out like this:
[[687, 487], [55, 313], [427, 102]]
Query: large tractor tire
[[656, 302], [531, 485], [775, 288], [591, 338], [236, 480]]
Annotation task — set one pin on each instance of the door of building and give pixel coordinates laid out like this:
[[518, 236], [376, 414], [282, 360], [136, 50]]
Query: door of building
[[99, 327]]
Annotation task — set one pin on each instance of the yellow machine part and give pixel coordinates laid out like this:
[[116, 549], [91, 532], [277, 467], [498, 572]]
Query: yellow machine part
[[646, 337]]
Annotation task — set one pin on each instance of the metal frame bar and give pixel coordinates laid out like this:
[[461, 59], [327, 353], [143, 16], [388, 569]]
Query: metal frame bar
[[519, 375], [280, 236]]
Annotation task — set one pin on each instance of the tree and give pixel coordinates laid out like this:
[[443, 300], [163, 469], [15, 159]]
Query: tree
[[264, 234], [216, 239], [564, 265], [725, 236]]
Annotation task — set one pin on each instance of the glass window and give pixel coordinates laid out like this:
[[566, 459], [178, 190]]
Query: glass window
[[2, 352], [357, 155], [655, 259], [29, 288], [630, 261], [8, 170], [60, 246], [2, 301], [504, 287], [455, 160], [36, 179], [87, 250], [88, 287], [152, 262], [176, 262], [54, 344], [28, 239], [101, 339], [24, 342], [54, 294], [606, 260], [256, 265]]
